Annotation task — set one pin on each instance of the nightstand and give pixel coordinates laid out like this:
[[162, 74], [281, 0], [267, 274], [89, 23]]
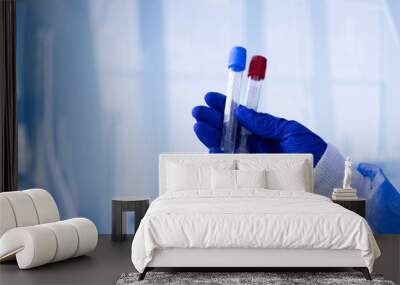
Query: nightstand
[[357, 205], [125, 204]]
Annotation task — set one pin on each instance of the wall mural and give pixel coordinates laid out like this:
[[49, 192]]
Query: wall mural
[[106, 86]]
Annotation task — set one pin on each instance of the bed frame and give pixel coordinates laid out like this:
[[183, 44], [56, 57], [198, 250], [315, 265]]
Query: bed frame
[[237, 259]]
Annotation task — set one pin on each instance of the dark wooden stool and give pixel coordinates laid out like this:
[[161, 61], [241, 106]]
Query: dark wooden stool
[[123, 204], [356, 205]]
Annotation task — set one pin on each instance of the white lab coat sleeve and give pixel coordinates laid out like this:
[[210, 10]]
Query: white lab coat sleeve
[[329, 174]]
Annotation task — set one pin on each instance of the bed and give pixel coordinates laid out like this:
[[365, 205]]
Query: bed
[[245, 211]]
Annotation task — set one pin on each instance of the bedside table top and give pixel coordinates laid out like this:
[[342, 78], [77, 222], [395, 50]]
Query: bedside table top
[[348, 200], [130, 199]]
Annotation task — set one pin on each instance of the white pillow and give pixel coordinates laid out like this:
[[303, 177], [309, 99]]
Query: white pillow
[[237, 179], [281, 174], [223, 179], [251, 178], [290, 179], [193, 175], [188, 177]]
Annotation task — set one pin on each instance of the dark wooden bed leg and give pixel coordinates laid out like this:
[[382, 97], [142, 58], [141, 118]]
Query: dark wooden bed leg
[[143, 274], [364, 271]]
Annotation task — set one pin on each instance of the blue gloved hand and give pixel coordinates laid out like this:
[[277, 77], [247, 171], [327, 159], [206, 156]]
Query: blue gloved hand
[[269, 134], [383, 201]]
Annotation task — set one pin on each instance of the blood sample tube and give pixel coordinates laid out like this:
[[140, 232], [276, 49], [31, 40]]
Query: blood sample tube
[[256, 74], [237, 63]]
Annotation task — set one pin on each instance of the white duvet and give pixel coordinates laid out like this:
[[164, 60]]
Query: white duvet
[[250, 219]]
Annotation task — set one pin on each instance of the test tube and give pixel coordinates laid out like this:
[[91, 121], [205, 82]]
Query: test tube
[[237, 63], [256, 74]]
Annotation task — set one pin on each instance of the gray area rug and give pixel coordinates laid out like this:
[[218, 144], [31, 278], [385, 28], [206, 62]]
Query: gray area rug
[[226, 278]]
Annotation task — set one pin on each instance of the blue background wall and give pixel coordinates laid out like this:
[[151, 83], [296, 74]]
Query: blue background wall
[[105, 86]]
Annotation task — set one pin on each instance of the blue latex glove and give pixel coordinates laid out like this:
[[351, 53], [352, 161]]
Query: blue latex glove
[[383, 201], [269, 134]]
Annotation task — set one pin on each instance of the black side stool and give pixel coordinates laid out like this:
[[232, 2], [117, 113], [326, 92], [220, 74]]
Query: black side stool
[[123, 204], [356, 205]]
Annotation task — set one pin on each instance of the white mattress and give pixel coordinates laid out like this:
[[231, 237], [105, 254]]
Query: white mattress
[[251, 219]]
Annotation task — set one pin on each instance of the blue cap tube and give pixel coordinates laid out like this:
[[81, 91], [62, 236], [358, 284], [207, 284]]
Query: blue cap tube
[[237, 59], [236, 65]]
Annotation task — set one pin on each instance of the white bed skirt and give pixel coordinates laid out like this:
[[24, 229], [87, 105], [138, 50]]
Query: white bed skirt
[[189, 257]]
